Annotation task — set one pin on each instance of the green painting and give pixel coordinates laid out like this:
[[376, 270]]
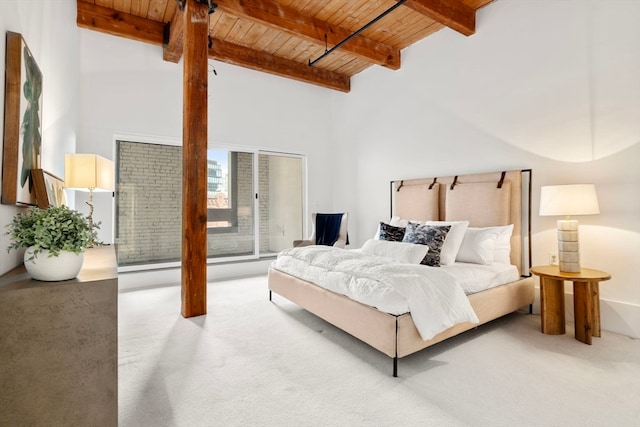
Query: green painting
[[30, 126], [22, 122]]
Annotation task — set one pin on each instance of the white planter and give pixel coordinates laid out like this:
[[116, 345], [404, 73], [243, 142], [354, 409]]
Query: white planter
[[65, 266]]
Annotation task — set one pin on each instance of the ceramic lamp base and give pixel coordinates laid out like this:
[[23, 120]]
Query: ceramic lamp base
[[568, 246]]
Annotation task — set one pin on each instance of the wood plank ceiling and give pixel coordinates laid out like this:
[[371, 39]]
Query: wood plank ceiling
[[281, 37]]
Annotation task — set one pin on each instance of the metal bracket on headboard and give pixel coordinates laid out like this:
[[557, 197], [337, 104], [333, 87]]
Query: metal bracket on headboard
[[455, 181], [501, 179], [433, 183]]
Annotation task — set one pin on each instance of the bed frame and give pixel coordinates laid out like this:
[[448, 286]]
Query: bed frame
[[488, 199]]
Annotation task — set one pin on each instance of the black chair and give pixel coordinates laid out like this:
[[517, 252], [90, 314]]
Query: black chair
[[328, 230]]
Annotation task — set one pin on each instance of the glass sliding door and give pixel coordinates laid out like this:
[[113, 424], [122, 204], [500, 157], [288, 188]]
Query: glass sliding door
[[254, 204], [280, 201], [230, 204], [148, 212]]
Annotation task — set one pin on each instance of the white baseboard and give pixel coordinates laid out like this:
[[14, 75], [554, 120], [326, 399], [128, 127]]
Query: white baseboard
[[132, 280], [615, 316]]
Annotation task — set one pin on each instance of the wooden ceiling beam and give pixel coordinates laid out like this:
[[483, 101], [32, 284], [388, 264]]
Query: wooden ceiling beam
[[261, 61], [453, 13], [172, 50], [116, 23], [111, 21], [289, 20]]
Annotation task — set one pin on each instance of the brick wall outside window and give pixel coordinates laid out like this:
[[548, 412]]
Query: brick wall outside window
[[149, 206]]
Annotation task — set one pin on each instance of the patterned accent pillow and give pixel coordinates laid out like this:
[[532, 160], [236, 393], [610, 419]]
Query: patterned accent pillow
[[391, 232], [431, 235]]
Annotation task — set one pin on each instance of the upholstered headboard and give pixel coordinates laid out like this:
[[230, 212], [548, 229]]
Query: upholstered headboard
[[488, 199]]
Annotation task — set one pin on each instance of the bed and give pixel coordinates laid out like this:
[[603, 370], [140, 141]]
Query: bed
[[489, 201]]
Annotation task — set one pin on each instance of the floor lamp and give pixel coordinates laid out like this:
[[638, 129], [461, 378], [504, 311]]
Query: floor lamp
[[88, 172], [567, 200]]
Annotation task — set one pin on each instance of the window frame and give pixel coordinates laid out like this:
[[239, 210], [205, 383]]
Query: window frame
[[232, 212]]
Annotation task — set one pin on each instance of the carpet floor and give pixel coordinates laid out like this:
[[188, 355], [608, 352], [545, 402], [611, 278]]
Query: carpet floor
[[251, 362]]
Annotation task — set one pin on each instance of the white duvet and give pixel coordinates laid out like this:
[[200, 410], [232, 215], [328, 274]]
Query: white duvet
[[432, 295]]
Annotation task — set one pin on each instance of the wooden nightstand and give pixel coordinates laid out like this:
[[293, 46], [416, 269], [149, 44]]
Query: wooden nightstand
[[586, 300]]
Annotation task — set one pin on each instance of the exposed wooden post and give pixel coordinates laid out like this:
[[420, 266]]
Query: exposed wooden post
[[194, 160]]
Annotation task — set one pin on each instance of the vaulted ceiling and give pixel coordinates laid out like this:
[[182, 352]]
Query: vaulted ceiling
[[322, 42]]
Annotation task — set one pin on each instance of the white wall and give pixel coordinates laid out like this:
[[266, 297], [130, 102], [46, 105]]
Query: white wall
[[547, 85], [47, 29]]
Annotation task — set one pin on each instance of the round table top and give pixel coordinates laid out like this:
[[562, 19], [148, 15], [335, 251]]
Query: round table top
[[585, 274]]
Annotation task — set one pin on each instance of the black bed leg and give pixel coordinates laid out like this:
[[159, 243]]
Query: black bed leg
[[395, 367], [269, 294], [530, 308]]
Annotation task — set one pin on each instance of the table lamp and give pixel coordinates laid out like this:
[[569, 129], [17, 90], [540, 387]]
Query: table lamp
[[88, 172], [567, 200]]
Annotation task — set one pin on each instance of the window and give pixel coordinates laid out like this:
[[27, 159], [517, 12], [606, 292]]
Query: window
[[222, 190], [281, 201], [230, 210], [242, 223]]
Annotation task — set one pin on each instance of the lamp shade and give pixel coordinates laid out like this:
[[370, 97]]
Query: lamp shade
[[88, 172], [567, 200]]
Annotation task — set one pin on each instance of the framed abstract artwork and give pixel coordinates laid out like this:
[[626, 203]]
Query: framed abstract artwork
[[22, 122], [48, 188]]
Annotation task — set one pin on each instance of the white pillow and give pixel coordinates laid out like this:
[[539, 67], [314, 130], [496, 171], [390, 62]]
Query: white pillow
[[453, 241], [478, 246], [502, 247], [396, 221], [407, 253], [502, 251]]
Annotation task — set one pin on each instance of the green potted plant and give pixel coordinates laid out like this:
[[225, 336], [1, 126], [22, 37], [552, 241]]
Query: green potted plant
[[55, 240]]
